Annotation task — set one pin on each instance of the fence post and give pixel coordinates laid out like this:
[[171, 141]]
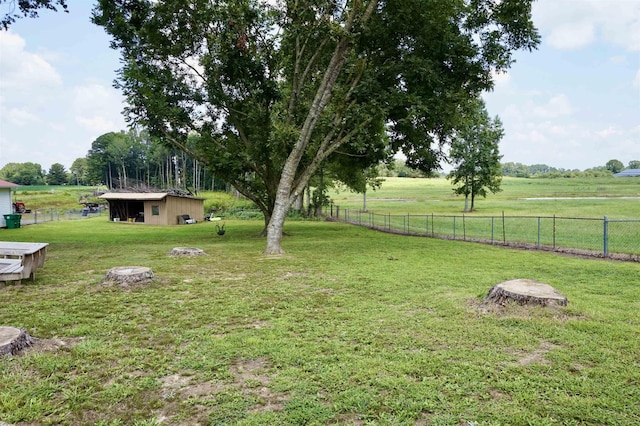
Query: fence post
[[538, 231], [606, 236], [504, 233], [464, 228], [426, 229], [433, 232], [389, 222], [51, 215], [554, 231], [454, 227], [492, 227], [408, 223]]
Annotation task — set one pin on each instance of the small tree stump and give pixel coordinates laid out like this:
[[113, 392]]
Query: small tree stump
[[186, 251], [13, 340], [525, 292], [129, 274]]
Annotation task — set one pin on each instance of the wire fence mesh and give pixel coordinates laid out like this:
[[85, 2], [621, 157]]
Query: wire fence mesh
[[53, 214], [600, 236]]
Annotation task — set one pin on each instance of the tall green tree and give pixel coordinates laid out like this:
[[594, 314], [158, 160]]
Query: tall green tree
[[16, 9], [78, 171], [634, 164], [57, 175], [475, 156], [23, 173], [614, 166], [274, 89]]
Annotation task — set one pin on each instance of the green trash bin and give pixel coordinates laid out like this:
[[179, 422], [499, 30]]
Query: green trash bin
[[12, 220]]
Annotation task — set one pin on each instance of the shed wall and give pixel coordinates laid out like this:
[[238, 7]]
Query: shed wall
[[161, 217], [177, 206], [5, 204]]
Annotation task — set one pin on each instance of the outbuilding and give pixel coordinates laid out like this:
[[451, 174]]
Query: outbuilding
[[154, 208], [6, 206], [628, 173]]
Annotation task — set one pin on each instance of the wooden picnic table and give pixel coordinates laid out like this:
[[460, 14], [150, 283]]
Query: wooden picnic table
[[20, 260]]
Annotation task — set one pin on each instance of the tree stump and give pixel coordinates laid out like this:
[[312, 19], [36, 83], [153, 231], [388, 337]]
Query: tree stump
[[129, 274], [186, 251], [13, 340], [525, 292]]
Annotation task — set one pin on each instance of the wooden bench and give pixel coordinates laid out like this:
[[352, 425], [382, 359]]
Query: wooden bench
[[20, 260], [11, 270]]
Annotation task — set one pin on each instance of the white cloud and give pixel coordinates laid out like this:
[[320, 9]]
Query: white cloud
[[619, 59], [19, 116], [96, 124], [501, 79], [572, 35], [609, 131], [572, 24], [96, 108], [557, 106], [21, 70]]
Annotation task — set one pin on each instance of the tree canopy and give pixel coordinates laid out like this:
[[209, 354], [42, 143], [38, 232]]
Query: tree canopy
[[614, 166], [57, 175], [275, 90], [475, 155], [16, 9], [23, 173]]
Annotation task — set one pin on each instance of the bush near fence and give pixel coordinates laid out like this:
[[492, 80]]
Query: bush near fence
[[602, 237]]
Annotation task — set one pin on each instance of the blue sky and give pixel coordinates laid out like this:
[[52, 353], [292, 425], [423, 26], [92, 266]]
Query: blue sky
[[574, 103]]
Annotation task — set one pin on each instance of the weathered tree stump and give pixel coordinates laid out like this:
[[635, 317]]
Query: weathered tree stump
[[13, 340], [525, 292], [186, 251], [129, 274]]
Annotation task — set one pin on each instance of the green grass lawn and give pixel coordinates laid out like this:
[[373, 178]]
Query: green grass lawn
[[351, 326], [576, 197]]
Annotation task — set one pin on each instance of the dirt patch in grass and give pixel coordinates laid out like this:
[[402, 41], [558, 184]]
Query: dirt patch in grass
[[250, 377], [538, 355], [51, 345]]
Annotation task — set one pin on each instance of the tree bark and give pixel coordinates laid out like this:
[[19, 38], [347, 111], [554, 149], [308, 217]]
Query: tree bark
[[13, 340], [186, 251], [525, 292], [129, 274]]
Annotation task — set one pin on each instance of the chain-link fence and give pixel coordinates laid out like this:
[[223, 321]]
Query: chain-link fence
[[603, 236], [52, 214]]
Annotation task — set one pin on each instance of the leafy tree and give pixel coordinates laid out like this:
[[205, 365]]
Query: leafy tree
[[476, 157], [78, 172], [515, 170], [614, 166], [634, 164], [274, 89], [23, 173], [57, 175], [17, 9]]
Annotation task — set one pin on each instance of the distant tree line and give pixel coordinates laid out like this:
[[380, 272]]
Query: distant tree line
[[542, 170], [120, 160]]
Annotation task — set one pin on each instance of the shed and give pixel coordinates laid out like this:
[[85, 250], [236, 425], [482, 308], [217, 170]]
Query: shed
[[628, 173], [154, 208], [6, 206]]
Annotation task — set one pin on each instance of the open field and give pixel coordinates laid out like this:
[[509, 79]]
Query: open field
[[351, 326], [616, 198]]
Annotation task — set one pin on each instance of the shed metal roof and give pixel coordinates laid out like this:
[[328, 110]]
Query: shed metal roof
[[6, 184], [628, 173], [145, 196], [141, 196]]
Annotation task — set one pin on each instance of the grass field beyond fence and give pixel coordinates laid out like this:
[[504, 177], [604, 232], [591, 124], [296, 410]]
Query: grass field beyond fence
[[350, 326]]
